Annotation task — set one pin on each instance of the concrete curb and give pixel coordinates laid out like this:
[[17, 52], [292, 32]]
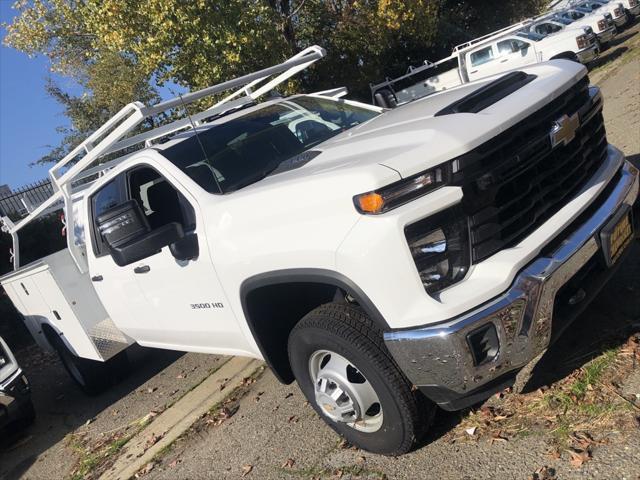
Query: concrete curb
[[174, 421]]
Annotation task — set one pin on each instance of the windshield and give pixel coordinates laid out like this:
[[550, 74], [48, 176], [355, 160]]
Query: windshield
[[564, 21], [536, 37], [575, 15], [246, 149]]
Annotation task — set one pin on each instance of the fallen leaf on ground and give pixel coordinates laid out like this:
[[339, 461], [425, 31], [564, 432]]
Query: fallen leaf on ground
[[338, 474], [246, 469], [152, 440], [578, 457], [543, 473], [497, 437], [147, 468], [361, 460], [293, 419], [289, 463], [174, 463], [554, 453]]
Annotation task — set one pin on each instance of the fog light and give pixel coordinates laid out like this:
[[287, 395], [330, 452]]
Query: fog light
[[483, 343]]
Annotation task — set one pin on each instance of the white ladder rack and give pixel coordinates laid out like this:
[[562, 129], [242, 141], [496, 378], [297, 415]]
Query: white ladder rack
[[111, 137]]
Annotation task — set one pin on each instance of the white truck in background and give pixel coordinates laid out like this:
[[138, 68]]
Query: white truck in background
[[389, 261], [615, 8], [601, 23], [501, 51]]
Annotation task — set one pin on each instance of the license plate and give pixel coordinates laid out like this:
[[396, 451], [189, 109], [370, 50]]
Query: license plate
[[617, 235]]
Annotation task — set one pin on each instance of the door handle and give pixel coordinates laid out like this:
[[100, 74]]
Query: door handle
[[505, 60], [474, 71], [96, 278], [142, 269]]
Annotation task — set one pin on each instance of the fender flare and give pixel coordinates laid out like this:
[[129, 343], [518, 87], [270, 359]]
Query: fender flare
[[312, 275]]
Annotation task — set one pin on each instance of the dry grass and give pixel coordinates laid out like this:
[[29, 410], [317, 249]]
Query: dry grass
[[577, 412]]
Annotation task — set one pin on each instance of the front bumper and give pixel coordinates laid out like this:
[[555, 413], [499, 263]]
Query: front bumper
[[439, 360], [588, 54], [607, 35], [622, 20], [15, 399], [635, 11]]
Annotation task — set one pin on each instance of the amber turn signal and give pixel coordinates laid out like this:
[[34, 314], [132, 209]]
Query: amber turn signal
[[371, 202]]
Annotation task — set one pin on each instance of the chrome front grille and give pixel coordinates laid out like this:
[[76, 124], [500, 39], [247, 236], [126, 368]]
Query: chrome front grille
[[518, 180]]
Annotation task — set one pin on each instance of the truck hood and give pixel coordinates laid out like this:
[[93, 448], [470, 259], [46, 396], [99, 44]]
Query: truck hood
[[412, 138]]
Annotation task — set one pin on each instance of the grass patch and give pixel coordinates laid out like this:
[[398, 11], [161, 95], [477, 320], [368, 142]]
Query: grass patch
[[92, 460]]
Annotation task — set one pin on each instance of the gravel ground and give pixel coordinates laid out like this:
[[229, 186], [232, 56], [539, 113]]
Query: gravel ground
[[275, 434], [158, 378]]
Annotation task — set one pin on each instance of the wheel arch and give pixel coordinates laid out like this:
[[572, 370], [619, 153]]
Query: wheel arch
[[274, 302], [568, 55]]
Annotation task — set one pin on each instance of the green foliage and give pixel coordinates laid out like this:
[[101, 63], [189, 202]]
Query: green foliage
[[119, 50]]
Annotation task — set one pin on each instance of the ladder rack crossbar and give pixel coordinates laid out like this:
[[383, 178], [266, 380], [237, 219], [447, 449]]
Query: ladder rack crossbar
[[503, 31], [111, 137]]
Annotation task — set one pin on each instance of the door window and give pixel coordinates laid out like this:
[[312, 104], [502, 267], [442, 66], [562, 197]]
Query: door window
[[480, 57], [110, 195], [507, 47], [159, 200]]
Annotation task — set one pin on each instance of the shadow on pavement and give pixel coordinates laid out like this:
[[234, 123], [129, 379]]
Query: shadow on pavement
[[608, 57], [60, 405]]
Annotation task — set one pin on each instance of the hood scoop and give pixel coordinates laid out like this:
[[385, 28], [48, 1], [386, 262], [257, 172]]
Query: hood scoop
[[491, 93]]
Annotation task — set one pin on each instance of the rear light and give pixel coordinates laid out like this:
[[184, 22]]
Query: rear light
[[583, 41], [602, 25]]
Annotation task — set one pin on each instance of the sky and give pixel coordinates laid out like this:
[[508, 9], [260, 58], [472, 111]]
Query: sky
[[28, 116]]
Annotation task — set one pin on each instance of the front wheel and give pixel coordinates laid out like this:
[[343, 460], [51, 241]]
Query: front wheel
[[345, 371]]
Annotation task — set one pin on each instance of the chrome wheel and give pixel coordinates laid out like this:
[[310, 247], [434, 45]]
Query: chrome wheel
[[343, 393]]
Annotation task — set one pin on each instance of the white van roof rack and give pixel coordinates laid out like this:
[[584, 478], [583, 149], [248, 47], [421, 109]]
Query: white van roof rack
[[111, 137], [503, 31]]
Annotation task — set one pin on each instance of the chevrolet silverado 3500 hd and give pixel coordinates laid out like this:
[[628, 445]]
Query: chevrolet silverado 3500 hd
[[387, 261]]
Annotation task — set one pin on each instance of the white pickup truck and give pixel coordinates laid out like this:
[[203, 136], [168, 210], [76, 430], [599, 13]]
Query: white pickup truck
[[387, 261], [616, 9], [507, 49], [601, 23]]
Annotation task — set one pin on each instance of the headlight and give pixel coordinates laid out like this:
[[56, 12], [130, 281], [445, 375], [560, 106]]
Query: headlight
[[602, 24], [3, 357], [398, 193], [440, 249], [583, 41], [618, 12]]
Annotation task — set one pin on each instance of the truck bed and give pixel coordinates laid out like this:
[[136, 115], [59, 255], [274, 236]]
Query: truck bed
[[52, 291]]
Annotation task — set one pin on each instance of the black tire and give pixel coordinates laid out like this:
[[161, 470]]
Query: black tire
[[347, 331], [93, 377]]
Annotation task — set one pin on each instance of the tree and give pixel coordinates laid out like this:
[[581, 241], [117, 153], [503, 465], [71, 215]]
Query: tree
[[119, 50]]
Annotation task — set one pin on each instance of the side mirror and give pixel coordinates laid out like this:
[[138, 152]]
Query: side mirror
[[126, 231], [186, 248]]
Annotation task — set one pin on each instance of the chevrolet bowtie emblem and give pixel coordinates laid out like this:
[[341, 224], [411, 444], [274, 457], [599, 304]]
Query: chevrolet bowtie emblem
[[564, 130]]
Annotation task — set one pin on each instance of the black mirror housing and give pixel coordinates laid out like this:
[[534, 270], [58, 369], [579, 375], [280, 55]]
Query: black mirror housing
[[186, 248], [126, 231]]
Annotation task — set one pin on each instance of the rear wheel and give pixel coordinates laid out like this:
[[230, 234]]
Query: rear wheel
[[345, 371], [93, 377]]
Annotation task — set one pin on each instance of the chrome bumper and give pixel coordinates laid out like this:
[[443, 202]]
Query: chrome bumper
[[607, 35], [622, 20], [588, 54], [439, 357]]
